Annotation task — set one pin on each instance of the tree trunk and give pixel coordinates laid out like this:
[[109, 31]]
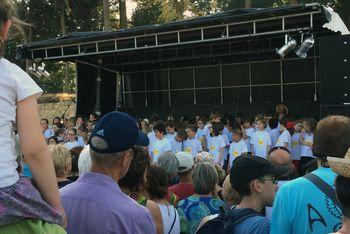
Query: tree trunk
[[64, 32], [122, 13], [248, 4], [106, 19], [179, 8]]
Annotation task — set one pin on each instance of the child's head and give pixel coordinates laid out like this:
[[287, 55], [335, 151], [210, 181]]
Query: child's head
[[297, 127], [8, 19], [159, 130], [261, 124], [200, 123], [191, 131], [309, 125], [283, 124], [215, 117], [170, 127], [215, 129], [181, 135], [247, 123], [273, 123], [237, 134]]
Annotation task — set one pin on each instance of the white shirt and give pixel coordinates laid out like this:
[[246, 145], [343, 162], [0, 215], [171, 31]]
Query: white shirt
[[152, 138], [295, 149], [306, 150], [236, 149], [169, 215], [215, 143], [284, 138], [48, 133], [227, 145], [274, 134], [159, 147], [193, 146], [227, 133], [260, 141], [176, 146], [249, 132], [15, 86], [170, 136]]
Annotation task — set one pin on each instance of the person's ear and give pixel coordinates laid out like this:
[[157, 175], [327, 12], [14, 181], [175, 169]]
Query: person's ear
[[5, 29], [126, 159], [256, 186]]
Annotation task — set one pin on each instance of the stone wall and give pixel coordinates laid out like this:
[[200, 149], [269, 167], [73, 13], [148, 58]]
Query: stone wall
[[51, 105]]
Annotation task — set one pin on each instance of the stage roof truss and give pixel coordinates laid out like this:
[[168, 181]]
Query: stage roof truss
[[220, 32]]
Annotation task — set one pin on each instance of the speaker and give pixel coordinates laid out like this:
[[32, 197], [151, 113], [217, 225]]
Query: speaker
[[335, 70]]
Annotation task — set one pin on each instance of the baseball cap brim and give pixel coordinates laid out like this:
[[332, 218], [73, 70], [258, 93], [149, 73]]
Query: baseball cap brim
[[142, 140]]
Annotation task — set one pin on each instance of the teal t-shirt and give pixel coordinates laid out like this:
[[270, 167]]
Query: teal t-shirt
[[300, 207]]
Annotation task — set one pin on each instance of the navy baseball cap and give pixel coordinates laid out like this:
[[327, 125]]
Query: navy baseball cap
[[248, 168], [119, 131]]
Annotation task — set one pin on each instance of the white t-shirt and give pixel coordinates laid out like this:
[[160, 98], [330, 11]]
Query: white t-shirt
[[215, 143], [227, 145], [249, 132], [236, 149], [284, 138], [159, 147], [260, 141], [171, 219], [295, 149], [193, 146], [306, 150], [176, 146], [15, 85], [227, 133], [152, 138], [48, 133], [200, 134], [170, 136], [274, 134]]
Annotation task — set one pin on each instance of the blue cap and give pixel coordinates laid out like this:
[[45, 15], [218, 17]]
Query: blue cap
[[119, 131]]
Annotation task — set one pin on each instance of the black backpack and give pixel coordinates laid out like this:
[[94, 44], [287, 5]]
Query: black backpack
[[226, 221]]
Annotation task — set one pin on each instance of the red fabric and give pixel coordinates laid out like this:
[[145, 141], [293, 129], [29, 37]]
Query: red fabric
[[182, 190]]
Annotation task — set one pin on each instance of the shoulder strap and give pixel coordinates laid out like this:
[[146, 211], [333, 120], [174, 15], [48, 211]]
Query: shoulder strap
[[237, 216], [172, 225], [324, 187]]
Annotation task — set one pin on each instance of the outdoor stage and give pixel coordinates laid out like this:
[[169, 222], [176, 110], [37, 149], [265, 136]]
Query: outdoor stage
[[198, 65]]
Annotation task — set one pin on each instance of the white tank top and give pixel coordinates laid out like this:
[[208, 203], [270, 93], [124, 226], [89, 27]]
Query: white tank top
[[15, 85], [170, 217]]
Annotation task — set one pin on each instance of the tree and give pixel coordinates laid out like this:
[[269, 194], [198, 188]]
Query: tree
[[106, 19], [122, 13]]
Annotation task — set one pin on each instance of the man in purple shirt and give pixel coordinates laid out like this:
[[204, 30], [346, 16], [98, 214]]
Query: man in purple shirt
[[95, 203]]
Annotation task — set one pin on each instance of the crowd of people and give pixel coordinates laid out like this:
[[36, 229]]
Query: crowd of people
[[122, 174]]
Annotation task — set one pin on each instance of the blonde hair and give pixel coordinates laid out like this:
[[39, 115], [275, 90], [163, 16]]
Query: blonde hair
[[61, 158], [8, 12]]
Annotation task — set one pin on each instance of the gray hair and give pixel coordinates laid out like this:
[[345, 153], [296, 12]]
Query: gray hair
[[107, 160], [205, 178], [169, 163]]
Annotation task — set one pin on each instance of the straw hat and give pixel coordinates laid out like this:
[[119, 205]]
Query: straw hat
[[282, 108], [341, 166]]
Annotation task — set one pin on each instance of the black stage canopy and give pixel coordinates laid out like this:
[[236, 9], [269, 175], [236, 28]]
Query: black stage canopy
[[196, 65]]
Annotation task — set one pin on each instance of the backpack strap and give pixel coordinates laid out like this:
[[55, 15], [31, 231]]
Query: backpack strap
[[324, 187], [236, 216]]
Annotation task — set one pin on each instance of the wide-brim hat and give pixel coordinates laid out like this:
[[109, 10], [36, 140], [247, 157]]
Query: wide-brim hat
[[340, 166]]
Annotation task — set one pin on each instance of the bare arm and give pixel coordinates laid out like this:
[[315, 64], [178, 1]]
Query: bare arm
[[36, 153], [157, 216]]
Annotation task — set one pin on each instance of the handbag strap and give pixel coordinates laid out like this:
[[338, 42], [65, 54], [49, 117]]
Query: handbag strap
[[172, 225], [324, 187]]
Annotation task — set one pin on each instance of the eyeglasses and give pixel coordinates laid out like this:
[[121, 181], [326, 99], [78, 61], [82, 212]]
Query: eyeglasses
[[273, 180]]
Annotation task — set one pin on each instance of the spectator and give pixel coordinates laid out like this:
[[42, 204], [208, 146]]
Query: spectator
[[95, 198], [72, 138], [80, 121], [82, 136], [185, 187], [75, 153], [204, 202], [157, 190], [57, 122], [302, 206], [254, 178], [52, 140], [45, 128], [62, 162], [93, 117], [133, 184], [40, 208], [230, 195], [342, 187]]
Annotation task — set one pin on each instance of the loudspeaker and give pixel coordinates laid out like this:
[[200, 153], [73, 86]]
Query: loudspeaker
[[335, 70]]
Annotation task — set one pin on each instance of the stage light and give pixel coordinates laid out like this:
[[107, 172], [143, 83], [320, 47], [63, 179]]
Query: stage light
[[33, 70], [305, 46], [289, 45], [42, 71]]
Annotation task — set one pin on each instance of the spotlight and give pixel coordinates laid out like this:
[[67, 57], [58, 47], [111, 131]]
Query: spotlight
[[42, 71], [32, 69], [289, 45], [305, 46]]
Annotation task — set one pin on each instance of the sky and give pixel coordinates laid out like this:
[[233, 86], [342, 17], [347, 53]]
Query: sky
[[130, 6]]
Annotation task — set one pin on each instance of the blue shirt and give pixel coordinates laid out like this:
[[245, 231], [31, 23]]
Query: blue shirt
[[253, 225], [95, 204], [194, 208], [300, 207]]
